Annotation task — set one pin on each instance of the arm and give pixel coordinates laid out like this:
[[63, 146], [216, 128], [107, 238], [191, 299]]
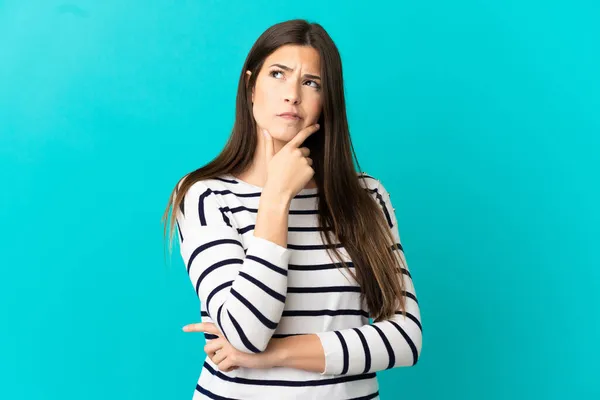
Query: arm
[[370, 348], [387, 344], [244, 293]]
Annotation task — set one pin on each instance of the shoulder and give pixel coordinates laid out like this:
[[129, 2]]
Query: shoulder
[[211, 185], [208, 191], [367, 181], [202, 186], [372, 184], [381, 196], [379, 193]]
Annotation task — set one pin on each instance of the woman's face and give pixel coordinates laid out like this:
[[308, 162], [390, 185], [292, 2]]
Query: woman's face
[[289, 82]]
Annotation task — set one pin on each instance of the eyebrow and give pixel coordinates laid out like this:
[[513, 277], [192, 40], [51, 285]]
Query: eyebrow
[[286, 68]]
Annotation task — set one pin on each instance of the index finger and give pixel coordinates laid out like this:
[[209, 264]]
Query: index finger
[[205, 327], [302, 135]]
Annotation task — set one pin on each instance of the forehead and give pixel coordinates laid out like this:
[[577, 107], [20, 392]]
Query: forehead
[[293, 56]]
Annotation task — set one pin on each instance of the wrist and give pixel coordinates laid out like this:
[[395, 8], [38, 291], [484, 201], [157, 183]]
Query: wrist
[[275, 196], [279, 354]]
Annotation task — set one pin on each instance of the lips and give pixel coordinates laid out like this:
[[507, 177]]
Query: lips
[[290, 115]]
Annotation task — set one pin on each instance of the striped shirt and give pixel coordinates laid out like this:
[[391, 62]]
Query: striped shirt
[[253, 290]]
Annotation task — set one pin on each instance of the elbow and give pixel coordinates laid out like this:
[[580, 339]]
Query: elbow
[[416, 358], [243, 349], [247, 337], [262, 341], [408, 351], [416, 349]]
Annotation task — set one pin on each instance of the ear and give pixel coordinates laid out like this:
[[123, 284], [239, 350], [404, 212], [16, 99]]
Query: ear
[[248, 74]]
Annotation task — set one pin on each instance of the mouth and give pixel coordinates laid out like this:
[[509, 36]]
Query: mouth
[[290, 116]]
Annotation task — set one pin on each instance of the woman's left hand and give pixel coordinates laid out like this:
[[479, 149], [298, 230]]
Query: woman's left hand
[[227, 357]]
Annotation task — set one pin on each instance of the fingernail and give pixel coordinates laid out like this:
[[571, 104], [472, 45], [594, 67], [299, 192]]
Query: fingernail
[[185, 328], [264, 132], [317, 126]]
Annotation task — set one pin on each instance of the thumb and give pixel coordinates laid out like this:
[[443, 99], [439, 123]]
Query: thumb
[[269, 147]]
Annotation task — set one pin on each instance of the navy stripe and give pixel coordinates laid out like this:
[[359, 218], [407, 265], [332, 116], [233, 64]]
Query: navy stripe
[[268, 290], [288, 383], [226, 191], [324, 289], [252, 194], [367, 397], [363, 340], [265, 321], [255, 210], [179, 230], [201, 213], [319, 313], [313, 246], [243, 208], [248, 228], [410, 295], [210, 336], [257, 194], [304, 212], [388, 346], [268, 264], [364, 175], [384, 206], [415, 319], [229, 261], [318, 267], [306, 196], [307, 229], [411, 344], [208, 245], [211, 395], [204, 314], [215, 291], [284, 335], [344, 352], [242, 335], [225, 218]]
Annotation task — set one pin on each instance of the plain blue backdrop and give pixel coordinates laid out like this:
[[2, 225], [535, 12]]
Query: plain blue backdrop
[[480, 117]]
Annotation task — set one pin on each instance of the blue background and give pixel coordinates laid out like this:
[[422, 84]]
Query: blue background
[[481, 118]]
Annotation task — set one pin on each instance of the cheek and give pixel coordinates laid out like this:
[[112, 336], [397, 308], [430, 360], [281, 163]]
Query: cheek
[[263, 105], [314, 109]]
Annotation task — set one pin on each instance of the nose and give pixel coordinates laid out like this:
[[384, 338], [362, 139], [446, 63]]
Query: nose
[[292, 95]]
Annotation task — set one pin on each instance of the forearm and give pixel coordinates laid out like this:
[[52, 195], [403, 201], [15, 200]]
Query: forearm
[[247, 307], [300, 352], [243, 290]]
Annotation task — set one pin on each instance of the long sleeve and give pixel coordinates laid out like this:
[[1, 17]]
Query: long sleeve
[[243, 291], [382, 345]]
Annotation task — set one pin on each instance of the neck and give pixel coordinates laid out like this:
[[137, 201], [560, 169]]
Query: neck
[[256, 173]]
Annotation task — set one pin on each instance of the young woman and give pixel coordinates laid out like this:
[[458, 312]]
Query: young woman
[[289, 249]]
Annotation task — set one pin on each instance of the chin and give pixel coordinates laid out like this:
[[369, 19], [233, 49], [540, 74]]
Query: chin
[[285, 134]]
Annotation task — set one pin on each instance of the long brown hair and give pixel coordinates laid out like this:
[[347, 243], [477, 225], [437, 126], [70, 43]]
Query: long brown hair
[[346, 210]]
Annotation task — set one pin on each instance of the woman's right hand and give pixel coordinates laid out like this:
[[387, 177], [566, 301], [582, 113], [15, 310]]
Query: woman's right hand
[[289, 170]]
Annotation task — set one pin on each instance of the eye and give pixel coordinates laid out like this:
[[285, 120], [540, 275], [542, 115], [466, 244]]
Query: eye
[[276, 71], [316, 86]]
